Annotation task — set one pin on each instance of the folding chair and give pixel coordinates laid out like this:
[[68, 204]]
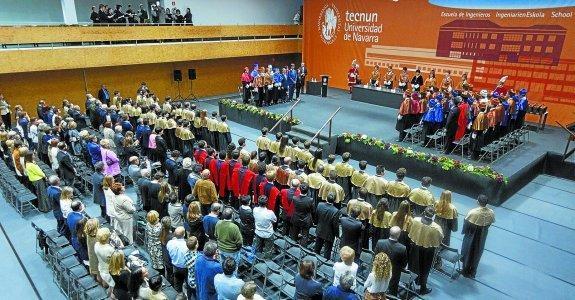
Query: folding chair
[[407, 284], [451, 255], [462, 143], [439, 135]]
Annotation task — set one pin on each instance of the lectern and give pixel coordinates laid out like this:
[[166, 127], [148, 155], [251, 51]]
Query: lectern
[[324, 82]]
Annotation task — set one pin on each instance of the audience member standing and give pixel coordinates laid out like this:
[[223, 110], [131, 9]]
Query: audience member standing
[[475, 229], [177, 250], [205, 192], [264, 220], [378, 279], [327, 226], [153, 244], [306, 287], [211, 220], [206, 268], [351, 231], [54, 191], [446, 216], [104, 251], [191, 258], [397, 253], [229, 237], [97, 187], [426, 236], [91, 229], [343, 289], [228, 286], [247, 222], [124, 209], [302, 218]]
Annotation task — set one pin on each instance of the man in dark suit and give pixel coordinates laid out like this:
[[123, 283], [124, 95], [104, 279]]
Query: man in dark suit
[[98, 190], [161, 147], [104, 95], [351, 228], [327, 225], [66, 169], [144, 184], [53, 192], [397, 253], [302, 217]]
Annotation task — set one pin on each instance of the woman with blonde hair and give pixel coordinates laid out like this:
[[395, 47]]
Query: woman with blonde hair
[[66, 201], [402, 218], [164, 195], [153, 244], [195, 222], [125, 209], [346, 265], [104, 251], [110, 159], [110, 199], [446, 216], [378, 280], [91, 229], [121, 275]]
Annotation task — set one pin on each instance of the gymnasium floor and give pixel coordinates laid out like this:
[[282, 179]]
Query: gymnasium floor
[[529, 253]]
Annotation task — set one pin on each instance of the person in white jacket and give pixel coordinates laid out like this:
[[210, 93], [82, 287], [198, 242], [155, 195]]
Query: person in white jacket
[[124, 208]]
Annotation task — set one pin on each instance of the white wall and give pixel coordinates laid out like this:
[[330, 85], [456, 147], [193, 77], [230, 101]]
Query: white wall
[[231, 12], [14, 12]]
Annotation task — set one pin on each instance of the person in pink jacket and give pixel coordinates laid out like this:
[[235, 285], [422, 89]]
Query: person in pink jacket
[[110, 159]]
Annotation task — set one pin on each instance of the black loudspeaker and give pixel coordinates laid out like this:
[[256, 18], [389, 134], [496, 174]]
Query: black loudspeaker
[[177, 75], [192, 74]]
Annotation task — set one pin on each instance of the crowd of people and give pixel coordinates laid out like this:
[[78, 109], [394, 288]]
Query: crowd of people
[[207, 200], [159, 15], [484, 116], [272, 86]]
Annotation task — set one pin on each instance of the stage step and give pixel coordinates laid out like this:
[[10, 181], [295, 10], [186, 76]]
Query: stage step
[[324, 143], [309, 132]]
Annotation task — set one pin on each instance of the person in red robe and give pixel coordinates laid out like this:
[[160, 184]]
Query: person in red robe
[[353, 75], [288, 197], [209, 158], [200, 154], [268, 189], [462, 120], [242, 179], [228, 169], [215, 166], [222, 175], [260, 177], [500, 89]]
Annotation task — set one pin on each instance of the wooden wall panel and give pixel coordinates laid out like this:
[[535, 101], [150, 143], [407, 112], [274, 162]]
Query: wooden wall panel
[[39, 59], [215, 77], [59, 34]]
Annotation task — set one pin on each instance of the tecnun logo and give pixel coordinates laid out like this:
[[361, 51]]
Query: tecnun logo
[[328, 23]]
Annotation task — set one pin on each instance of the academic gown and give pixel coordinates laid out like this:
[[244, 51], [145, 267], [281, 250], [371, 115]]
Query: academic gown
[[474, 237], [461, 121], [451, 127], [269, 190]]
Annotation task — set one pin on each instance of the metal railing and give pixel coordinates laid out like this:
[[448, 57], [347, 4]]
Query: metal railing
[[329, 121], [290, 112]]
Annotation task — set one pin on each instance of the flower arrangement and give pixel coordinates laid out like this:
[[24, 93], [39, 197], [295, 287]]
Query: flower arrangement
[[444, 162], [257, 111]]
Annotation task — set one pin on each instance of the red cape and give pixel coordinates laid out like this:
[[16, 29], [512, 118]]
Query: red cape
[[288, 204], [272, 193], [461, 121], [241, 186], [229, 167], [200, 156], [214, 172]]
